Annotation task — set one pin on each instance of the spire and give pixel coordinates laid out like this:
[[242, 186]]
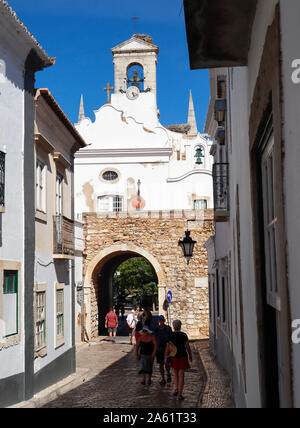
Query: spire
[[81, 110], [192, 118]]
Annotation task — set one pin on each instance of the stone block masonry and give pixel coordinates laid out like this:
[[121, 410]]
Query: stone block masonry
[[154, 236]]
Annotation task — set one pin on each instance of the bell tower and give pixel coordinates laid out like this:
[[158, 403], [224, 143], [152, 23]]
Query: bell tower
[[135, 65]]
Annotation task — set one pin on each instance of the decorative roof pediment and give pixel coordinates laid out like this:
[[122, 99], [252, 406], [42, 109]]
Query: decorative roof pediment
[[140, 42]]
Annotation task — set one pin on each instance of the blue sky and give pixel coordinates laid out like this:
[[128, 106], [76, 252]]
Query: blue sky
[[80, 34]]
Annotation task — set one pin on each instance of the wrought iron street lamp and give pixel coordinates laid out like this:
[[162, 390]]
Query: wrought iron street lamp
[[187, 245]]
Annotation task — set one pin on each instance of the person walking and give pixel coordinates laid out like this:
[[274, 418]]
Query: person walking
[[179, 349], [138, 327], [162, 333], [145, 351], [147, 317], [131, 322], [111, 323]]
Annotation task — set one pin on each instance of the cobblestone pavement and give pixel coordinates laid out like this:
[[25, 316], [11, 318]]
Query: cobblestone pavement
[[217, 392], [113, 381]]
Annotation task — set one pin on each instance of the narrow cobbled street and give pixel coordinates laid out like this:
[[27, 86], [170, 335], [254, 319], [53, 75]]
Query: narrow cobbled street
[[117, 383], [107, 377]]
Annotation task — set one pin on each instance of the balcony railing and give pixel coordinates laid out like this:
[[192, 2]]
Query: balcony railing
[[63, 239], [221, 190]]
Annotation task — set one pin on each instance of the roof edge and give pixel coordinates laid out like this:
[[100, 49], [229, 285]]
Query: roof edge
[[46, 94], [46, 61], [142, 41]]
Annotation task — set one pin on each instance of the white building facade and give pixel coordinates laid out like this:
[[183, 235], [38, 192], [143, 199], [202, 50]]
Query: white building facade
[[132, 162], [259, 233], [56, 141], [20, 57]]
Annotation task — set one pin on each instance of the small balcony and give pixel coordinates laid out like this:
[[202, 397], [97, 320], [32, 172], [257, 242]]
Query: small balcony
[[63, 237], [2, 181], [221, 191]]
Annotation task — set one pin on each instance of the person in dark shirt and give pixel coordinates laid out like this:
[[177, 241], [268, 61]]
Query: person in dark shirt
[[162, 333], [179, 348], [145, 352]]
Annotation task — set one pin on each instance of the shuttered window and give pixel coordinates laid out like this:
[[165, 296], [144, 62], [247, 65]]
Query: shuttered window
[[10, 302]]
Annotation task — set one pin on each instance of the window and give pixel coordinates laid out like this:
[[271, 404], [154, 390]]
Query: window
[[2, 179], [40, 318], [10, 302], [221, 87], [218, 293], [59, 194], [60, 315], [211, 286], [111, 203], [110, 176], [270, 225], [200, 204], [224, 297], [40, 186]]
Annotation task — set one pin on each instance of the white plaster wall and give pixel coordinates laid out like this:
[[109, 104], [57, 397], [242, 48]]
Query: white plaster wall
[[115, 127], [264, 17], [240, 174], [290, 33], [222, 241], [12, 228], [143, 109], [50, 272], [157, 192], [242, 85], [79, 245]]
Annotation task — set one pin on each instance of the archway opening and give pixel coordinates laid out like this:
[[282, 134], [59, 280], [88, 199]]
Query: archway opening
[[135, 283], [125, 279]]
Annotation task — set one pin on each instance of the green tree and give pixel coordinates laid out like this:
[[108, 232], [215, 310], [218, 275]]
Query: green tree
[[134, 277]]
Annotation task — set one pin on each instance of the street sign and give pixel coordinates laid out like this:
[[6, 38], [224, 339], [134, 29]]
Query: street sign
[[169, 296]]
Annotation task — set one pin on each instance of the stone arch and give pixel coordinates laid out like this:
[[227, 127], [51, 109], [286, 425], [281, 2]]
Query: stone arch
[[95, 266]]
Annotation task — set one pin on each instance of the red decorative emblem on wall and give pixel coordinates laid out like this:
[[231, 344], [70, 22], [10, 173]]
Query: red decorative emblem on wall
[[138, 203]]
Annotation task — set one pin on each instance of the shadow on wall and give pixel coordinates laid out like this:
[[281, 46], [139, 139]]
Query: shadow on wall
[[62, 268]]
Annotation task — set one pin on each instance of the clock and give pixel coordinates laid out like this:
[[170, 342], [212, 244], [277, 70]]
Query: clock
[[132, 92]]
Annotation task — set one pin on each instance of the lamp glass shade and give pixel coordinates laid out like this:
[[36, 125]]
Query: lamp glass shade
[[187, 245]]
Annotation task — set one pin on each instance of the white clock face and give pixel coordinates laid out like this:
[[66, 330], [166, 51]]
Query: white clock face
[[132, 92]]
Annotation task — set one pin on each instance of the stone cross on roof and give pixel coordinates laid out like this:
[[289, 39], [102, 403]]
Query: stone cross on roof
[[108, 89]]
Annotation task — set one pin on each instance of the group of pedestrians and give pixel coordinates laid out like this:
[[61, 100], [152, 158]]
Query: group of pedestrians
[[135, 320], [170, 347]]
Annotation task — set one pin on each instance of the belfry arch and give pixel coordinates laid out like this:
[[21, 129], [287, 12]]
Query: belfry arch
[[98, 282]]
